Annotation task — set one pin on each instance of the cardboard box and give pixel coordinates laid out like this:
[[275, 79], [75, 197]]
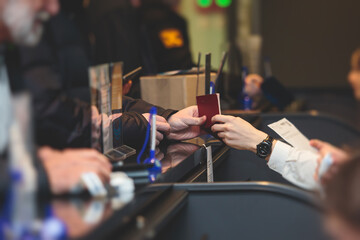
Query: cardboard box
[[174, 92]]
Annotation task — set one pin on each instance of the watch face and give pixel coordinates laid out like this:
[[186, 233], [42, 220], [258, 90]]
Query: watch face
[[263, 149]]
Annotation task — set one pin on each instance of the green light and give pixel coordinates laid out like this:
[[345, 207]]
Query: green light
[[204, 3], [223, 3]]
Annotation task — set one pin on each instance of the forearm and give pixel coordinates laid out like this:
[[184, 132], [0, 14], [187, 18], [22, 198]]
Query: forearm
[[294, 165], [140, 106]]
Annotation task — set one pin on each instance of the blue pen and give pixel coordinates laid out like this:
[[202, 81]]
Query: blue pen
[[152, 158], [212, 88], [247, 101]]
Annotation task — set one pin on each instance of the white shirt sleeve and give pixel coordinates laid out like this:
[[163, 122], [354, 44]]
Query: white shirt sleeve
[[296, 166]]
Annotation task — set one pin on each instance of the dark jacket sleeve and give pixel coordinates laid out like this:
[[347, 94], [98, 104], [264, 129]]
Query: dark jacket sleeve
[[60, 121], [140, 106], [134, 125], [43, 184], [56, 74]]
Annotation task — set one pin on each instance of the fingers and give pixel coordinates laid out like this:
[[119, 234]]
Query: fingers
[[103, 174], [115, 116], [193, 110], [194, 121], [97, 167], [317, 143], [191, 132], [89, 154], [222, 118], [127, 87], [160, 119], [65, 176], [158, 154], [161, 124], [159, 136], [222, 135], [219, 128], [316, 174], [163, 127]]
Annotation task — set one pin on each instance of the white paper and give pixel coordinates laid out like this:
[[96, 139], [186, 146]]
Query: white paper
[[292, 135], [93, 184]]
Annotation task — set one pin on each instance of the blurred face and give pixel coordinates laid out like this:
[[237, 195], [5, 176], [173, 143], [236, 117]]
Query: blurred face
[[354, 80], [253, 84], [24, 19], [354, 74], [339, 229]]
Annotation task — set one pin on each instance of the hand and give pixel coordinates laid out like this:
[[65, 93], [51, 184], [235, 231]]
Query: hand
[[237, 133], [95, 122], [159, 154], [126, 88], [338, 155], [253, 84], [185, 124], [65, 168], [161, 126]]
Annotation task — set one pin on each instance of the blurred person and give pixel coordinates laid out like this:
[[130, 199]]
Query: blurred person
[[56, 72], [342, 202], [148, 33], [21, 23], [268, 94], [299, 167], [354, 74]]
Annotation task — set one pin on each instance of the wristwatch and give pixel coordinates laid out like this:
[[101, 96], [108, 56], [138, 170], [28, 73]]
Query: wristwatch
[[263, 149]]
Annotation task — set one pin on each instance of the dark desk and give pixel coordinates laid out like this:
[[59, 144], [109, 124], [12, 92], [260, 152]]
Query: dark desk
[[256, 210], [194, 210]]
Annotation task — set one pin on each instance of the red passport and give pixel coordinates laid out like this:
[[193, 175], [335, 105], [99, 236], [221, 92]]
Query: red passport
[[208, 105]]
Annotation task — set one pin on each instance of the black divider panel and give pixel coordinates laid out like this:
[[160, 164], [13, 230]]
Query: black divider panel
[[246, 214], [245, 166]]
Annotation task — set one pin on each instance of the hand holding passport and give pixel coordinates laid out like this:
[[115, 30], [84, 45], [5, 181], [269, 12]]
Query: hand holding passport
[[208, 105]]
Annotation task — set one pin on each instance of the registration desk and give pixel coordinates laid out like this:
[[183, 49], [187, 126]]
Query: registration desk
[[247, 200]]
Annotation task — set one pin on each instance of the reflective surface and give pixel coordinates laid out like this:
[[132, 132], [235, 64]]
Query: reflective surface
[[24, 216]]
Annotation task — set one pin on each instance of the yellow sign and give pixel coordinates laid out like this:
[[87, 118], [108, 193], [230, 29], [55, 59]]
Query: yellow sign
[[171, 38]]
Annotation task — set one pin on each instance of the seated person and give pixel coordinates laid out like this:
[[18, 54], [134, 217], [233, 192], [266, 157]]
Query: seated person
[[268, 93], [342, 201], [21, 23], [354, 74]]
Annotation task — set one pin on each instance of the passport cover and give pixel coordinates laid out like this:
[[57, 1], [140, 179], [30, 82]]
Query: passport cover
[[208, 105]]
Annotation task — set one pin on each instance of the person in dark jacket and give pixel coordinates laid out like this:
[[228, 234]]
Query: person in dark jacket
[[57, 171], [56, 72], [148, 33]]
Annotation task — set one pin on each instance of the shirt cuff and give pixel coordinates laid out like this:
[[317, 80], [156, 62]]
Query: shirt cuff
[[279, 156]]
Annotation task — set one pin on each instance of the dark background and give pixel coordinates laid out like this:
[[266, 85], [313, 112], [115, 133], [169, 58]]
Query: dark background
[[310, 41]]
